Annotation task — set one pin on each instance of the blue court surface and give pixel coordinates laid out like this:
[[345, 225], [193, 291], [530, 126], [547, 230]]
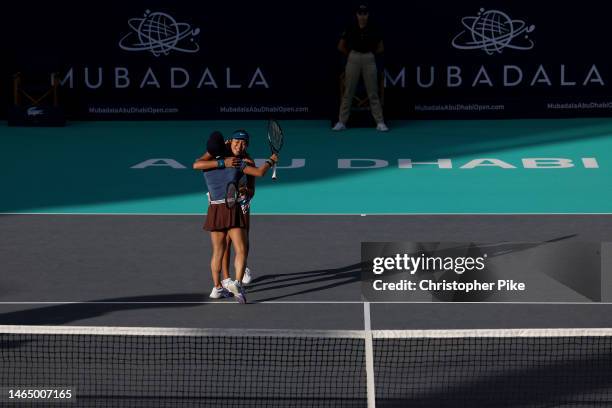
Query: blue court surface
[[473, 167]]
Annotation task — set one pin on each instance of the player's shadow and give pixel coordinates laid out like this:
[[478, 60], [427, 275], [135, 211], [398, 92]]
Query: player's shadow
[[315, 281], [323, 279], [577, 379], [66, 313]]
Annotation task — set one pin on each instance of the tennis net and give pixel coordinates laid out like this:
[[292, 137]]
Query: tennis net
[[150, 367]]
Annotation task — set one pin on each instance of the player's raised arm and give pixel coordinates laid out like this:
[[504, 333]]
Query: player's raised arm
[[261, 170]]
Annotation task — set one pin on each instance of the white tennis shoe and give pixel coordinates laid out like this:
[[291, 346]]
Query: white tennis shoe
[[236, 288], [339, 126], [219, 293], [247, 278], [381, 127]]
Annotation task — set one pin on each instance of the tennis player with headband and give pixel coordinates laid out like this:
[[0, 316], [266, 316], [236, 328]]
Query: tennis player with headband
[[221, 221], [249, 192]]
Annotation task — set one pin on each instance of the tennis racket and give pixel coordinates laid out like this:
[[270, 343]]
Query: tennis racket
[[275, 138], [243, 197], [231, 195]]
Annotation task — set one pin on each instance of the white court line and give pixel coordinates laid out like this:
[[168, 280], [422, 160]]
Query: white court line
[[310, 214], [369, 357], [226, 302], [299, 302]]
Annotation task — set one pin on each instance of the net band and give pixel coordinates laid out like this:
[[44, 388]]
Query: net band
[[354, 334], [178, 332]]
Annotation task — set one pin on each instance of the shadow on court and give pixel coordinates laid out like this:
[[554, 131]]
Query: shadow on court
[[575, 380], [317, 280], [68, 313], [65, 151]]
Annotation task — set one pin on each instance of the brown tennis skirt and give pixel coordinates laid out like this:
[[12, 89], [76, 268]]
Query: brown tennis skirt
[[220, 218]]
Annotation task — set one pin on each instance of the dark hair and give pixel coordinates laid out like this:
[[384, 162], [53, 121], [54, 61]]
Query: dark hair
[[216, 144]]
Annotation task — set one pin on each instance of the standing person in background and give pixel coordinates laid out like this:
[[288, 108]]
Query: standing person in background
[[359, 43]]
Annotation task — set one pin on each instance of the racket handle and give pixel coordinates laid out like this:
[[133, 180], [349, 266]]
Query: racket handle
[[274, 172]]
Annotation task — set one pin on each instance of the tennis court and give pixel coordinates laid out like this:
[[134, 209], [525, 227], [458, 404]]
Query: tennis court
[[481, 167], [439, 233], [105, 274]]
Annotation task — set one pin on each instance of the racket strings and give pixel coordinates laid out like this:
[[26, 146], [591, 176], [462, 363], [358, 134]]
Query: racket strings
[[231, 195], [275, 134]]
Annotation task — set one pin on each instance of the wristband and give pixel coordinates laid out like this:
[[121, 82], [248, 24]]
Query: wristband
[[221, 164], [270, 162]]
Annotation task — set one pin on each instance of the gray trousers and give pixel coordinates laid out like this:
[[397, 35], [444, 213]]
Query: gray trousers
[[359, 64]]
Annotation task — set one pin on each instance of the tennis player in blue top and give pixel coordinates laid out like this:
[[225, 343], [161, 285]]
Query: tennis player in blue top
[[223, 222], [248, 190]]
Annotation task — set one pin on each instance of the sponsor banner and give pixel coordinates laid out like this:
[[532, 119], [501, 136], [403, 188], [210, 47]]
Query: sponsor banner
[[559, 270], [36, 116], [152, 59]]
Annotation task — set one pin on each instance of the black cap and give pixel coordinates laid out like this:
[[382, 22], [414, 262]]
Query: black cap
[[215, 144], [363, 9]]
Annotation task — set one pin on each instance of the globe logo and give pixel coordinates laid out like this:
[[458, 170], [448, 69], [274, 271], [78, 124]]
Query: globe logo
[[493, 31], [159, 33]]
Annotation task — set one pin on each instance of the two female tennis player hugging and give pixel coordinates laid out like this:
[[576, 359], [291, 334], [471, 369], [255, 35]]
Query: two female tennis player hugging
[[229, 173]]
